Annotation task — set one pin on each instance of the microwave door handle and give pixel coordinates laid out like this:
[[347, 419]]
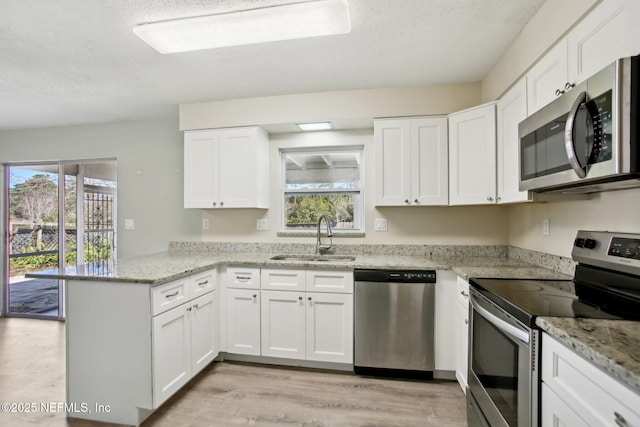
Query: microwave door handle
[[499, 323], [569, 145]]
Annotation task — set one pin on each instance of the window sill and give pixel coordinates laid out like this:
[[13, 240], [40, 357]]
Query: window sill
[[313, 233]]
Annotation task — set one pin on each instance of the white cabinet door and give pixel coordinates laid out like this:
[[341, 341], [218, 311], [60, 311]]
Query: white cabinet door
[[282, 324], [171, 352], [555, 412], [472, 156], [546, 76], [429, 161], [204, 330], [446, 356], [463, 333], [608, 32], [241, 163], [411, 161], [200, 177], [226, 168], [329, 327], [243, 321], [392, 142], [511, 110]]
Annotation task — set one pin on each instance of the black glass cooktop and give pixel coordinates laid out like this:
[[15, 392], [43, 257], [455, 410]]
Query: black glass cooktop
[[526, 299]]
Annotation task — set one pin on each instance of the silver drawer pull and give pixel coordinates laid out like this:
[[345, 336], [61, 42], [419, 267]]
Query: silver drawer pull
[[620, 420], [172, 295], [463, 294], [243, 278], [203, 283], [195, 305]]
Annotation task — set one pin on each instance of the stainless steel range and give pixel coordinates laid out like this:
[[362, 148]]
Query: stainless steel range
[[504, 339]]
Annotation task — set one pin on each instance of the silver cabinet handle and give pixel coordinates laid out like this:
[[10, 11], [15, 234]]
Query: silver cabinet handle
[[188, 308], [215, 204], [466, 321], [221, 204], [568, 86], [299, 298], [243, 278], [463, 294], [172, 295], [559, 92], [416, 201], [406, 201], [309, 298], [489, 198], [203, 283], [255, 296], [620, 420]]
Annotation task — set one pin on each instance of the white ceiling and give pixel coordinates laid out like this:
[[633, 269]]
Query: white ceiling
[[69, 62]]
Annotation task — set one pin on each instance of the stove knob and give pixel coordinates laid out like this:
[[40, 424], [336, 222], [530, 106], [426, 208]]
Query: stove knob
[[579, 242], [590, 243]]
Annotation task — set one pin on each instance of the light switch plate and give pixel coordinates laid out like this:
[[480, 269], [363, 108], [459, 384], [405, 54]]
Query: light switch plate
[[205, 223], [381, 224], [129, 224], [545, 227], [262, 224]]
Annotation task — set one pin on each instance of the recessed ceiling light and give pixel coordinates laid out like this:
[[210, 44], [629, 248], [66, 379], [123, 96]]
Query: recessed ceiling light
[[306, 127], [261, 25]]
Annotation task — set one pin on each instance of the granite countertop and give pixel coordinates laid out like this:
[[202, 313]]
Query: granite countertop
[[612, 345], [172, 265]]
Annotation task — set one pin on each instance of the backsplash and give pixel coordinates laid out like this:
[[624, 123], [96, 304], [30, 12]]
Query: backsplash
[[552, 262]]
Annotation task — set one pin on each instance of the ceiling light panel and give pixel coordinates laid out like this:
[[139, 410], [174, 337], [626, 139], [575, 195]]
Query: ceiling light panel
[[307, 127], [269, 24]]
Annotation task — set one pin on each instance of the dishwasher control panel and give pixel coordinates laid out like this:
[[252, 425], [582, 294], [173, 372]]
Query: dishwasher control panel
[[398, 276]]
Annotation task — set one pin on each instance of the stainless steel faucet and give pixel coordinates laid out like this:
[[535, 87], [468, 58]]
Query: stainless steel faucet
[[319, 246]]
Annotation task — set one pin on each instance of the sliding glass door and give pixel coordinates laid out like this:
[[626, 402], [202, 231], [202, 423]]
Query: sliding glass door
[[57, 214]]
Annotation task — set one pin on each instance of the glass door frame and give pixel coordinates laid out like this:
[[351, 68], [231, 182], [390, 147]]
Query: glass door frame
[[4, 251]]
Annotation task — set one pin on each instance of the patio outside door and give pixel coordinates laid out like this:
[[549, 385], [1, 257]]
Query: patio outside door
[[58, 214]]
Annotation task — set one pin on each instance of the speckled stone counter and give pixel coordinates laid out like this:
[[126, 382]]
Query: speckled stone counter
[[612, 345], [166, 266]]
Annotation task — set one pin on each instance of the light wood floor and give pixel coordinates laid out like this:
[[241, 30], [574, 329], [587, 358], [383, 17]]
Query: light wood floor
[[32, 369]]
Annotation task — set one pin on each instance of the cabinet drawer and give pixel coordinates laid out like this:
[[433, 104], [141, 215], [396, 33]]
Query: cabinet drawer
[[203, 283], [589, 391], [282, 280], [330, 281], [169, 295], [243, 277]]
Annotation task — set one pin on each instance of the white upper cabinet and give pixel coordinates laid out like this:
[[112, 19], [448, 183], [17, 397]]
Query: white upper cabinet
[[226, 168], [548, 78], [472, 156], [610, 31], [511, 109], [411, 161]]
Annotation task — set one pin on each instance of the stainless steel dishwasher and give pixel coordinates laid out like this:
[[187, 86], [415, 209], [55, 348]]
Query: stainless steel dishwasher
[[394, 322]]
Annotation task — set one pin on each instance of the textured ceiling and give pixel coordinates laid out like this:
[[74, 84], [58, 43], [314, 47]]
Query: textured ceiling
[[68, 62]]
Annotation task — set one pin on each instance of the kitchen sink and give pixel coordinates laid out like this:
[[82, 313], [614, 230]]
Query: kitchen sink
[[310, 257]]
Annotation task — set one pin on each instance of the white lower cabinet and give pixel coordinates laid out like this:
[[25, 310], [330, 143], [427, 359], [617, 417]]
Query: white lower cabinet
[[577, 393], [185, 340], [315, 326], [132, 345], [243, 321], [462, 322], [446, 355]]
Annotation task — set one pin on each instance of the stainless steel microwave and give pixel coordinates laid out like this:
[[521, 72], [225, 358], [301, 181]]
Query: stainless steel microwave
[[586, 140]]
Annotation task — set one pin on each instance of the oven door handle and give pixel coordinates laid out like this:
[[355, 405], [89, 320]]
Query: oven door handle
[[499, 323]]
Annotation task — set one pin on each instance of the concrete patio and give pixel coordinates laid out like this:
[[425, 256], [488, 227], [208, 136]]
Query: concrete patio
[[33, 296]]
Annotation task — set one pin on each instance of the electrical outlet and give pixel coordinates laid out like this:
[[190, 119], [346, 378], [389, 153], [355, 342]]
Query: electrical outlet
[[381, 224], [545, 227], [262, 224], [205, 224], [129, 224]]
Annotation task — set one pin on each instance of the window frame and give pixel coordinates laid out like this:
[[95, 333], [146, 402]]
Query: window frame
[[359, 192]]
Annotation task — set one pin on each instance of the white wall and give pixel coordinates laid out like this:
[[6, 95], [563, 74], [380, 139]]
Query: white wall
[[407, 225], [150, 178]]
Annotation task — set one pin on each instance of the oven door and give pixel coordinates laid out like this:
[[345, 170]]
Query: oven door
[[503, 379]]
